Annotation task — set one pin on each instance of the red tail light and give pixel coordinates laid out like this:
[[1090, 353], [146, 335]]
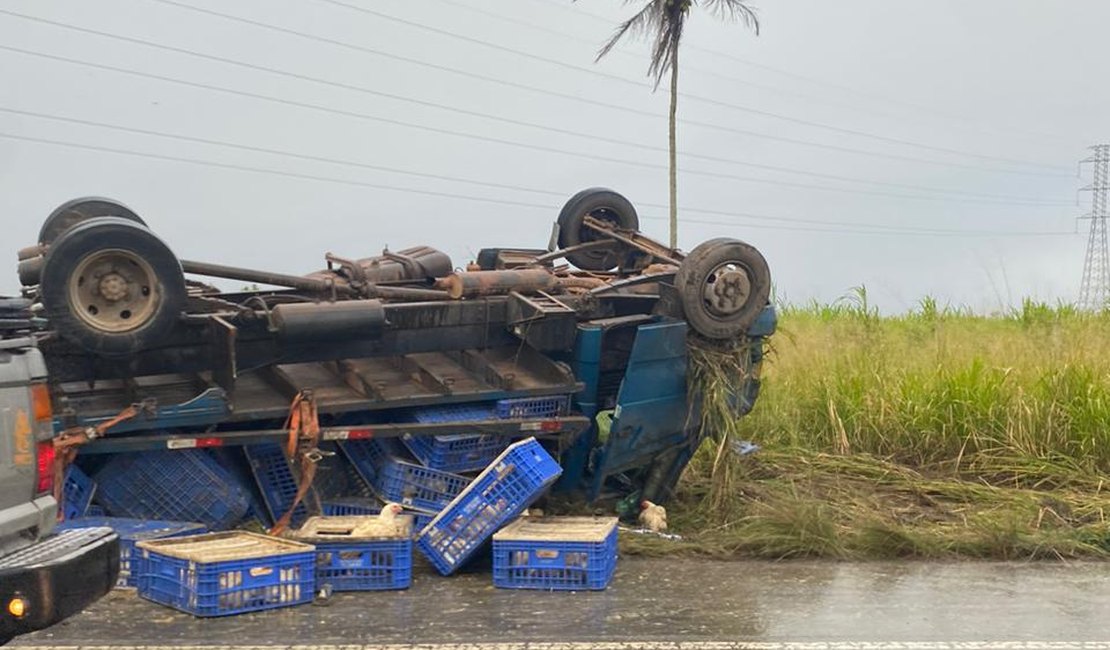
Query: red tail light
[[46, 467]]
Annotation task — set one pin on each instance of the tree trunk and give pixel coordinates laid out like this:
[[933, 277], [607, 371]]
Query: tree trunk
[[674, 152]]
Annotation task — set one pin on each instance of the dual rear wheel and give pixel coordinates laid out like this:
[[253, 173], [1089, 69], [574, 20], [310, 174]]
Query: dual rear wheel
[[107, 282]]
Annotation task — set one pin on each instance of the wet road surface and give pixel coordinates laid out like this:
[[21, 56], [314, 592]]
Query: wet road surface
[[662, 600]]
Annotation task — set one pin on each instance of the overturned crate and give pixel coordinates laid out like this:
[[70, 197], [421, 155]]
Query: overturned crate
[[519, 476], [381, 464], [360, 553], [555, 553], [132, 531], [220, 574], [77, 493], [277, 484], [185, 485]]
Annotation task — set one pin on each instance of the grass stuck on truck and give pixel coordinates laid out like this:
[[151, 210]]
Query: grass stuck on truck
[[394, 378]]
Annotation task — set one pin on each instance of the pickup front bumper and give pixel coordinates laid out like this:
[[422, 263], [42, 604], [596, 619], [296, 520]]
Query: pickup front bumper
[[56, 578]]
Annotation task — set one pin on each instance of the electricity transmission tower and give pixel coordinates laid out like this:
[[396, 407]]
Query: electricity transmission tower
[[1094, 293]]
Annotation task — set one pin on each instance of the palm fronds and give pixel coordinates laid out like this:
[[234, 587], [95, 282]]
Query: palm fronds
[[663, 21]]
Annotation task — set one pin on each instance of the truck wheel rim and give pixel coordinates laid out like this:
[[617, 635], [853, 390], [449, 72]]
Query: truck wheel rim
[[113, 291], [727, 289]]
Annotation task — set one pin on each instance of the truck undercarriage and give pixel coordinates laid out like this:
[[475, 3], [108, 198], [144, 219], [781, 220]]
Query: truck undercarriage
[[367, 340]]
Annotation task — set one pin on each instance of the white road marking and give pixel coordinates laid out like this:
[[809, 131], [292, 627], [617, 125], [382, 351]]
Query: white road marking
[[646, 646]]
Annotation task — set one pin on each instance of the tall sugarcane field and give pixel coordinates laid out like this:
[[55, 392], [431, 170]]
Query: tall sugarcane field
[[934, 433]]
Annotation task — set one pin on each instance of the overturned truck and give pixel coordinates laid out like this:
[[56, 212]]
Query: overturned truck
[[584, 342]]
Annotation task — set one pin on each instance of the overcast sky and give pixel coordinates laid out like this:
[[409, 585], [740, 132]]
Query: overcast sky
[[924, 137]]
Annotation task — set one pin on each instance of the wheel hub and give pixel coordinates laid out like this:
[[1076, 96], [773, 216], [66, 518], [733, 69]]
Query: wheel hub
[[113, 291], [113, 287], [727, 289]]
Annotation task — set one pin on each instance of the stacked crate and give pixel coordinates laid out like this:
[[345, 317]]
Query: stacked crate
[[459, 453]]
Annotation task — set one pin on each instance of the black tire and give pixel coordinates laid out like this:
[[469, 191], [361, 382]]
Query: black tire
[[138, 294], [15, 314], [11, 307], [75, 211], [736, 299], [600, 203]]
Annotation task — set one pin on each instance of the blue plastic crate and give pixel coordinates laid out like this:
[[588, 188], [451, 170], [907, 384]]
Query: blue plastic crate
[[461, 452], [552, 406], [453, 413], [131, 531], [276, 482], [456, 453], [420, 520], [365, 566], [513, 482], [380, 464], [350, 507], [267, 573], [185, 485], [95, 510], [234, 460], [354, 556], [78, 492], [555, 554]]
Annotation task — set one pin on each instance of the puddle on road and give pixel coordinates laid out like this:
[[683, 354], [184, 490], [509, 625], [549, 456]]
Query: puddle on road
[[659, 599]]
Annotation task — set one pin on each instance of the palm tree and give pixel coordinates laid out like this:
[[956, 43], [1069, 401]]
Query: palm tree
[[663, 21]]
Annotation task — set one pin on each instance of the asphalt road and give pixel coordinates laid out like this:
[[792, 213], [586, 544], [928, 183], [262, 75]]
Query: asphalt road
[[654, 602]]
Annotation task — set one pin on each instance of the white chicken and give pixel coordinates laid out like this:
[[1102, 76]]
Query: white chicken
[[653, 517], [387, 518], [389, 512]]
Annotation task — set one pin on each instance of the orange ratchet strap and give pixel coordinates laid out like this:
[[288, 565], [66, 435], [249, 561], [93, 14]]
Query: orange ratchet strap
[[67, 443], [302, 447]]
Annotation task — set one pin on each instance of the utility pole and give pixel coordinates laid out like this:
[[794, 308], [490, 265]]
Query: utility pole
[[1094, 292]]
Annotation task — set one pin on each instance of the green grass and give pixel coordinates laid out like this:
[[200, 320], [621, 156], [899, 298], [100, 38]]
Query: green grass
[[937, 433]]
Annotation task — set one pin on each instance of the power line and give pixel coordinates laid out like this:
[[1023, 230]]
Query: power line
[[443, 177], [603, 104], [513, 143], [687, 67], [263, 170], [267, 150], [873, 228], [576, 9], [708, 100], [506, 120]]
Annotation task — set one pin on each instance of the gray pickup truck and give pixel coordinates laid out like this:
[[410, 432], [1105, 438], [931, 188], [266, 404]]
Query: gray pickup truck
[[44, 577]]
